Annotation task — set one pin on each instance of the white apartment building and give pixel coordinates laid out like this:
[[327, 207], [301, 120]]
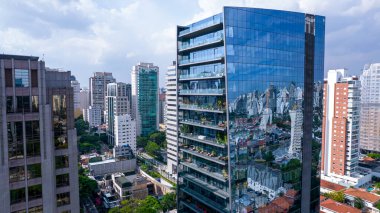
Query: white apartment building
[[93, 115], [98, 89], [125, 133], [76, 87], [117, 103], [370, 108], [171, 119]]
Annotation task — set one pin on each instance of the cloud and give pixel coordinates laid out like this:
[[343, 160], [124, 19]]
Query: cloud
[[87, 36]]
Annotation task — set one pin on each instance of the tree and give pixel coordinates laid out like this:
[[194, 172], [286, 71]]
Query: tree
[[149, 205], [152, 148], [358, 203], [81, 126], [158, 137], [168, 202], [87, 186], [374, 155], [337, 196], [141, 142]]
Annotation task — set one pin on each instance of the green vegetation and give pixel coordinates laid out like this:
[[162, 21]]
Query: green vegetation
[[378, 205], [147, 205], [87, 187], [337, 196], [359, 203], [374, 155], [81, 125], [152, 148]]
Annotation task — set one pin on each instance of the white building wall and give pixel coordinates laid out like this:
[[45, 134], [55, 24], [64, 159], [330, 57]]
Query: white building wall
[[84, 98], [125, 131]]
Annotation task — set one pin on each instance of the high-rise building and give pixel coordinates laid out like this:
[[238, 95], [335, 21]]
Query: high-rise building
[[93, 115], [38, 149], [171, 119], [370, 109], [340, 125], [98, 89], [84, 98], [76, 87], [246, 84], [116, 104], [125, 134], [145, 98], [162, 104], [129, 95]]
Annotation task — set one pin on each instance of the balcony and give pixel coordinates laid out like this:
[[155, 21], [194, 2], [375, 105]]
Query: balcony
[[204, 139], [201, 92], [206, 169], [215, 190], [217, 40], [201, 60], [192, 206], [221, 126], [202, 75], [202, 108], [210, 156], [207, 25], [205, 200]]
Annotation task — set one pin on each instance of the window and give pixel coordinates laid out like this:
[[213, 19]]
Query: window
[[60, 121], [23, 104], [63, 199], [17, 195], [16, 174], [34, 76], [10, 107], [34, 192], [36, 209], [34, 103], [8, 78], [34, 171], [32, 138], [21, 78], [61, 162], [62, 180], [15, 140]]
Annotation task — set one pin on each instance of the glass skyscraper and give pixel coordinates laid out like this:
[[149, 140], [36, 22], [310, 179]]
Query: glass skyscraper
[[250, 111]]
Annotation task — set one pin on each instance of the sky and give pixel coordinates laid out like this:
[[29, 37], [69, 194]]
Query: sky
[[87, 36]]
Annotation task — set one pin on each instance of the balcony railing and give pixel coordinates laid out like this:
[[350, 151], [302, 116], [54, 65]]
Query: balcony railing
[[210, 156], [201, 92], [202, 108], [195, 27], [216, 57], [205, 200], [218, 74], [217, 191], [205, 169], [192, 206], [199, 43], [207, 124], [204, 139]]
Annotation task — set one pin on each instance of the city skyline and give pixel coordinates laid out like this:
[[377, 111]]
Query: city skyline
[[85, 43]]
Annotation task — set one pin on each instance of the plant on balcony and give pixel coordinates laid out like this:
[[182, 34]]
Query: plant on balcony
[[184, 129], [221, 138], [225, 174], [219, 103], [213, 153], [203, 120]]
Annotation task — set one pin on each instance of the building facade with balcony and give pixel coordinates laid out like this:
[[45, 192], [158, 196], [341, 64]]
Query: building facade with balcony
[[38, 149], [246, 84], [340, 126], [145, 106], [370, 109]]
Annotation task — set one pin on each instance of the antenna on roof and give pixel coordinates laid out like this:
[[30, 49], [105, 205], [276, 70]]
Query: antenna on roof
[[43, 56]]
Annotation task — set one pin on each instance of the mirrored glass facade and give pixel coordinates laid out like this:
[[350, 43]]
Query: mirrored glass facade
[[246, 138]]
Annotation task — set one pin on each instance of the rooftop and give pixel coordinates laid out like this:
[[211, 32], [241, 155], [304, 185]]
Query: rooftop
[[364, 195], [331, 186], [338, 207], [18, 57]]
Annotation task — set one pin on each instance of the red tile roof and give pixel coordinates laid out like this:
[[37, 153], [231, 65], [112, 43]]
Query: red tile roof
[[278, 205], [364, 195], [338, 207], [331, 186], [291, 193]]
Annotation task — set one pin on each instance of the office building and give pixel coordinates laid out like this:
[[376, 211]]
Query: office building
[[171, 119], [246, 84], [129, 95], [76, 87], [370, 109], [84, 98], [340, 126], [145, 98], [93, 115], [98, 89], [38, 149], [124, 134], [117, 104]]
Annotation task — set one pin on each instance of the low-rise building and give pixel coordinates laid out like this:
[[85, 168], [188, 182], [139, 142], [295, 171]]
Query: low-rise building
[[370, 199], [133, 186], [112, 166], [327, 187], [331, 206]]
